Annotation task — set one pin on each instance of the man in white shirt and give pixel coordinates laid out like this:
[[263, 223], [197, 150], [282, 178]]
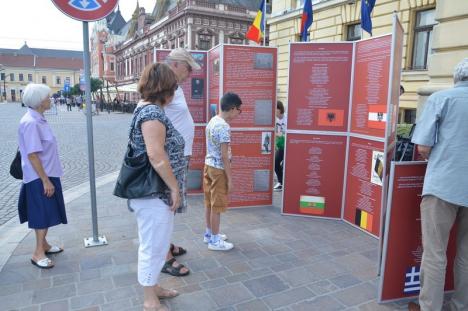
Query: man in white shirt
[[182, 64]]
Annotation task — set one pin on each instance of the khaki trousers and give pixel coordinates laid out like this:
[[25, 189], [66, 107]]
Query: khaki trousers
[[437, 218]]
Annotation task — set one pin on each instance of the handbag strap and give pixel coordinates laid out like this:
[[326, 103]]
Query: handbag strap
[[133, 125]]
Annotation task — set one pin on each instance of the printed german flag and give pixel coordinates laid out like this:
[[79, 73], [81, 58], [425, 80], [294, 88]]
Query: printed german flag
[[312, 205], [364, 220]]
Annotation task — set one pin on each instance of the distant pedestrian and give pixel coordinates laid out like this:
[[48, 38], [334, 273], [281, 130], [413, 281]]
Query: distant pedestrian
[[152, 132], [280, 129], [217, 175], [41, 201], [69, 103], [440, 134]]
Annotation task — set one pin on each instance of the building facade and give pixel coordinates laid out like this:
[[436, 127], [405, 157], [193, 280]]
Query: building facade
[[433, 41], [55, 68], [191, 24]]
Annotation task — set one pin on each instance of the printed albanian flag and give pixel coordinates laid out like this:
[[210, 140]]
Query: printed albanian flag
[[306, 19], [257, 29]]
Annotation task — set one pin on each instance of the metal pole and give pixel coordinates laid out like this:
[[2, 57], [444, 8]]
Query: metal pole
[[264, 22], [95, 240]]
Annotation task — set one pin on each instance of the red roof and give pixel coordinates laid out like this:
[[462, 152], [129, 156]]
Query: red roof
[[11, 60]]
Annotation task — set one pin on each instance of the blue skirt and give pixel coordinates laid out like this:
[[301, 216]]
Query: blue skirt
[[38, 210]]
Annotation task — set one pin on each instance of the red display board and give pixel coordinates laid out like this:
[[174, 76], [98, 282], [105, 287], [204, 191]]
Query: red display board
[[195, 86], [251, 73], [197, 161], [370, 86], [313, 186], [402, 248], [319, 86], [252, 167], [214, 77], [364, 181]]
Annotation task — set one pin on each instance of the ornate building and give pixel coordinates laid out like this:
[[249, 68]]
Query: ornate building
[[433, 43], [192, 24]]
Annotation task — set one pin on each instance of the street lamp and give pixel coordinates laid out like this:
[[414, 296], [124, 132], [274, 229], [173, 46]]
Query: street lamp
[[2, 68]]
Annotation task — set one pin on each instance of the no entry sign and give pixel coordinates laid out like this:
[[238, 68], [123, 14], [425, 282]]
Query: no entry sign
[[86, 10]]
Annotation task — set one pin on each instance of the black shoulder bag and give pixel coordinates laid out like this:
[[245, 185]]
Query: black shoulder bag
[[137, 178], [15, 167]]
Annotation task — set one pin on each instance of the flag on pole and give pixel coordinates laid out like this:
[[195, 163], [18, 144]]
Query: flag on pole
[[306, 19], [257, 30], [366, 10]]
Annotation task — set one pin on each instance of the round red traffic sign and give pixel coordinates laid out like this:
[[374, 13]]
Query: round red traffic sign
[[86, 10]]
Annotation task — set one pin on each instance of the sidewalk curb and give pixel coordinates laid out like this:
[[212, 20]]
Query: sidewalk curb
[[12, 232]]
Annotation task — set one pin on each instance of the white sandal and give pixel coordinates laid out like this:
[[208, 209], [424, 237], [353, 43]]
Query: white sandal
[[54, 250], [44, 263]]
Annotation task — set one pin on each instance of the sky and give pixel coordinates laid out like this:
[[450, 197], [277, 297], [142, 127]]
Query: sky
[[42, 25]]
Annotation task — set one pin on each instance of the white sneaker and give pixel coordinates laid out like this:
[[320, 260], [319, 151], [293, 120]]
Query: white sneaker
[[278, 187], [206, 239], [220, 246]]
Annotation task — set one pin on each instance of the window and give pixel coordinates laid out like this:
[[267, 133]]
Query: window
[[204, 42], [236, 41], [353, 32], [2, 76], [44, 79], [12, 77], [112, 66], [425, 21], [410, 116], [29, 77], [58, 81], [20, 77]]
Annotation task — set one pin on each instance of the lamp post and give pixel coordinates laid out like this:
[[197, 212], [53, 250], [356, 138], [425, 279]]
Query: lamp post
[[2, 68]]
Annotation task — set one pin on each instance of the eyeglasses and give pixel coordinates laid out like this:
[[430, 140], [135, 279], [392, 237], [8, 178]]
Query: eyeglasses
[[238, 109]]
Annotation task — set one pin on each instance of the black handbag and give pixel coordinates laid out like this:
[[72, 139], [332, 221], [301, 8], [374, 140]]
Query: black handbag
[[137, 177], [15, 167]]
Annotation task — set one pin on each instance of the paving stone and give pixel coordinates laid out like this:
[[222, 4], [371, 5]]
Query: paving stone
[[217, 273], [346, 280], [197, 301], [95, 262], [6, 290], [202, 264], [322, 303], [31, 308], [322, 287], [120, 293], [90, 274], [92, 286], [213, 283], [125, 279], [55, 306], [53, 293], [265, 285], [86, 301], [37, 284], [64, 279], [374, 306], [230, 295], [195, 277], [17, 300], [253, 305], [299, 276], [237, 278], [356, 295], [288, 297], [117, 305]]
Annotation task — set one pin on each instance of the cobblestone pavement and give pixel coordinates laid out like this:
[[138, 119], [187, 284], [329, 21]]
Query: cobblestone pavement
[[278, 263], [110, 135]]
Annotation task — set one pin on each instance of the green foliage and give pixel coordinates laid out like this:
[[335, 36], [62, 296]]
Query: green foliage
[[403, 130]]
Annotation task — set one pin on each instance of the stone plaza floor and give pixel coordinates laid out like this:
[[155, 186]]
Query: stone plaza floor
[[278, 263]]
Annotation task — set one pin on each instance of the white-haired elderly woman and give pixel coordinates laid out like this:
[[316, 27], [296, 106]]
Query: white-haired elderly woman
[[41, 199]]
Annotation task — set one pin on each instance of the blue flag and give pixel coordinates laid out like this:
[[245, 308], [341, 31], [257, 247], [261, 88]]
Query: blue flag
[[306, 19], [366, 9]]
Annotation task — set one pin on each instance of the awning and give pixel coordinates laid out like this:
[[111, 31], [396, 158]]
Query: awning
[[127, 87]]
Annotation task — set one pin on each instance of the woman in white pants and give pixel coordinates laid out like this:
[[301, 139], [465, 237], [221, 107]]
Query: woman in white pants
[[153, 133]]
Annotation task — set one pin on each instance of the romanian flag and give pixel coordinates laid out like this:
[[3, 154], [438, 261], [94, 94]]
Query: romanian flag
[[306, 19], [257, 29], [364, 220], [312, 205]]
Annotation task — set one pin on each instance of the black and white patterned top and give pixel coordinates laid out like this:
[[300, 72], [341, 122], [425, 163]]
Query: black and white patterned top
[[174, 144]]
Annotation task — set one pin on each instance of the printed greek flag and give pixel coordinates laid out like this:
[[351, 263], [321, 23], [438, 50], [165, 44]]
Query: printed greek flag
[[412, 282]]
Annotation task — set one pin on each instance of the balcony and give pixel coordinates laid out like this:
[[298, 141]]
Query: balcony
[[205, 6]]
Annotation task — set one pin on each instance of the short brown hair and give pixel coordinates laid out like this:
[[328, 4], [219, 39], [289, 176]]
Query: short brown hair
[[280, 106], [157, 82]]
